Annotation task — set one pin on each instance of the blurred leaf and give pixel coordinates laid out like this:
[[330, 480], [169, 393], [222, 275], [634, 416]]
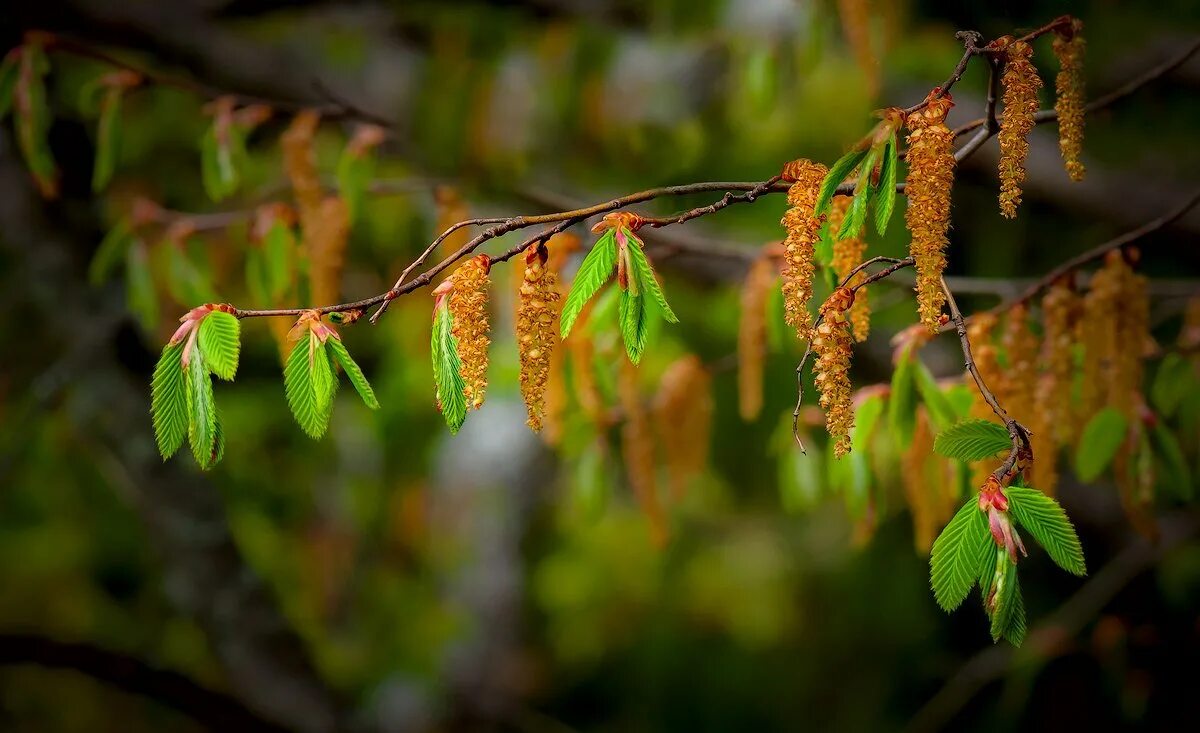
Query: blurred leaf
[[1176, 377], [111, 250], [169, 401], [355, 171], [972, 440], [186, 283], [591, 481], [902, 401], [33, 119], [220, 342], [8, 81], [941, 412], [338, 350], [108, 137], [594, 271], [1045, 519], [1178, 473], [218, 162], [1098, 445], [140, 295], [955, 559]]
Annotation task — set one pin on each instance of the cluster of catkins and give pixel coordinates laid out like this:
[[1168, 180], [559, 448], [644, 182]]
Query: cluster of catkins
[[930, 177], [832, 343], [803, 230]]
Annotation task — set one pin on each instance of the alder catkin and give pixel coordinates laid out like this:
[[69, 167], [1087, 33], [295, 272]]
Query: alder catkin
[[637, 448], [1021, 83], [1060, 322], [683, 410], [1069, 103], [537, 315], [300, 161], [1101, 305], [752, 337], [468, 306], [980, 330], [803, 228], [326, 235], [847, 255], [1020, 348], [930, 178], [832, 344], [1133, 341]]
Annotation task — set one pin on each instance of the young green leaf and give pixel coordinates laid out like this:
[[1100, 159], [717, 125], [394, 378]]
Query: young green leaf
[[866, 417], [309, 383], [941, 412], [1178, 473], [855, 216], [169, 401], [220, 342], [219, 442], [647, 278], [1175, 378], [110, 252], [1098, 445], [972, 440], [202, 416], [33, 119], [632, 316], [355, 171], [185, 281], [902, 402], [837, 173], [955, 559], [1049, 525], [594, 271], [140, 296], [339, 353], [279, 248], [218, 171], [886, 201], [1008, 614], [447, 370], [108, 135]]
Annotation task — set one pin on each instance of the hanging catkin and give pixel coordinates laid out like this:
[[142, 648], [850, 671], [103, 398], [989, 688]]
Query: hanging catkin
[[831, 342], [1021, 83], [1060, 322], [300, 162], [980, 331], [683, 410], [752, 337], [1020, 348], [537, 314], [1100, 344], [468, 306], [799, 248], [326, 236], [930, 178], [637, 447], [847, 255], [1134, 340], [1069, 103]]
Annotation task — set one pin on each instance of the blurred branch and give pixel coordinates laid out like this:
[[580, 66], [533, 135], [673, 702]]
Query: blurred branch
[[179, 692], [1049, 636]]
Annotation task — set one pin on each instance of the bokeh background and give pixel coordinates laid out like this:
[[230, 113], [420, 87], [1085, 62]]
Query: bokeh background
[[394, 578]]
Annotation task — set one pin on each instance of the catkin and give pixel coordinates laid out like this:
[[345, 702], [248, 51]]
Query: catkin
[[683, 410], [803, 228], [1068, 85], [1060, 322], [1100, 339], [831, 342], [537, 315], [930, 178], [326, 235], [1021, 83], [1020, 348], [637, 448], [468, 306], [1133, 337], [847, 255], [300, 161], [752, 337], [980, 330]]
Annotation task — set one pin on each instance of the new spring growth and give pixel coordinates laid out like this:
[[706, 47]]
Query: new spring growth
[[831, 342], [1069, 102], [537, 316], [1021, 83], [847, 255], [803, 227], [993, 501], [930, 178], [189, 327]]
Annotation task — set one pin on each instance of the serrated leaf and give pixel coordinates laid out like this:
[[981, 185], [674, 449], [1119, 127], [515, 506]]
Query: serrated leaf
[[1178, 473], [594, 271], [886, 200], [202, 415], [218, 452], [1175, 378], [941, 412], [220, 342], [955, 558], [972, 440], [647, 277], [1098, 445], [108, 135], [902, 401], [1045, 519], [169, 401], [309, 383], [632, 317], [447, 370], [140, 296], [838, 172], [110, 252], [856, 215], [339, 353], [1007, 600]]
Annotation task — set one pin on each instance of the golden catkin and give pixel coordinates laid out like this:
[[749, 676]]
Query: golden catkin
[[752, 337], [1043, 473], [468, 306], [803, 229], [300, 161], [1069, 103], [1020, 348], [930, 178], [637, 448], [1060, 322], [1101, 305], [831, 342], [537, 316], [980, 331], [1134, 342], [1021, 83], [325, 237], [683, 411], [847, 255], [856, 26], [587, 392], [915, 480]]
